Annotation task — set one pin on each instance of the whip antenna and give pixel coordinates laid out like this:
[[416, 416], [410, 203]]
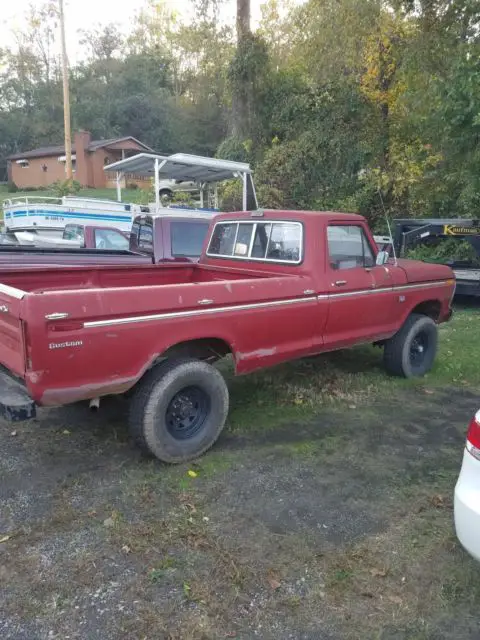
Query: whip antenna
[[389, 228]]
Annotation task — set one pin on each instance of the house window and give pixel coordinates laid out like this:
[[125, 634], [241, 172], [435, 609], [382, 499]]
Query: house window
[[23, 163], [74, 161]]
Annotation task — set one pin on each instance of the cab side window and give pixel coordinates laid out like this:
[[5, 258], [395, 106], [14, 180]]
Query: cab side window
[[348, 247]]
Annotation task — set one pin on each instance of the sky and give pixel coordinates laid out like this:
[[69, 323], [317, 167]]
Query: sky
[[85, 14]]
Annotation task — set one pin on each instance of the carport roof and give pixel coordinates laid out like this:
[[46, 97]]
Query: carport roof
[[181, 166]]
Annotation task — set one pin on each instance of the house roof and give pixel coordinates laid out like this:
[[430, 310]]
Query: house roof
[[43, 152]]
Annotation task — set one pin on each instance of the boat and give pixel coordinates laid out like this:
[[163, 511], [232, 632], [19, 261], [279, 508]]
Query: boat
[[48, 216]]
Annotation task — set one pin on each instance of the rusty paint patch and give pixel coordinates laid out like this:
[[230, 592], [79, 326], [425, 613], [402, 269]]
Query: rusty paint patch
[[258, 353]]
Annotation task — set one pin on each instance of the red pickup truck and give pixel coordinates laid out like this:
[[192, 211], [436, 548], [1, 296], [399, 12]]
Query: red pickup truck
[[270, 286], [153, 239]]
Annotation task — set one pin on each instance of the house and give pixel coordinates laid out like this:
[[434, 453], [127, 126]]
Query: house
[[40, 167]]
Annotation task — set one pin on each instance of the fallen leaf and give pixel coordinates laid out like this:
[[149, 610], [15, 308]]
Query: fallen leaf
[[66, 432], [126, 548], [429, 392], [378, 573], [108, 522], [191, 507], [395, 599], [4, 538], [14, 433], [273, 580], [438, 501], [192, 473], [352, 406]]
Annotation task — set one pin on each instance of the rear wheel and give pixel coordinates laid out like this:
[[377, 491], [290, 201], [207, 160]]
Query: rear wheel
[[412, 350], [179, 409]]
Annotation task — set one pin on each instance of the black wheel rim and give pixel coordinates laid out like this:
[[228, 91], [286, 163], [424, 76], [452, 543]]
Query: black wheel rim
[[187, 412], [418, 349]]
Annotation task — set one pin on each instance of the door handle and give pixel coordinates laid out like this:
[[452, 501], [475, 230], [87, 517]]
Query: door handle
[[340, 283]]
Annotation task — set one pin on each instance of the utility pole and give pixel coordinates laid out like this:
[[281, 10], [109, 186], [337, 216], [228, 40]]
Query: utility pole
[[66, 99]]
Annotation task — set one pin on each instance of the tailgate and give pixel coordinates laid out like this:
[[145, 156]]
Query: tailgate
[[12, 345]]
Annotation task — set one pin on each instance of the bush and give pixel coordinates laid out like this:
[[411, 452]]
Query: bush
[[28, 189], [12, 187], [65, 187], [132, 185], [443, 250]]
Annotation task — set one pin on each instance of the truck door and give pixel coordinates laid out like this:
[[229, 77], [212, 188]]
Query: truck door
[[353, 302]]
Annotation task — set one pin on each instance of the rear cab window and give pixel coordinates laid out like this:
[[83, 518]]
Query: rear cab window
[[110, 239], [273, 241], [187, 238], [348, 247]]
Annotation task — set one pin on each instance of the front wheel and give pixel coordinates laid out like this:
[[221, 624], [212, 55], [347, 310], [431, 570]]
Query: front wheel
[[411, 351], [179, 409]]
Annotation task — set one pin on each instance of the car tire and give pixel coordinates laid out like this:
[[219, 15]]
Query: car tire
[[179, 409], [165, 194], [411, 351]]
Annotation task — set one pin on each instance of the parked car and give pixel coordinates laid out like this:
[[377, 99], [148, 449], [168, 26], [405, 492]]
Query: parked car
[[467, 492], [153, 239], [167, 188], [270, 286]]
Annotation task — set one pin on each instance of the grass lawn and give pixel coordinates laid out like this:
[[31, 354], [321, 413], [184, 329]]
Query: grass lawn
[[324, 512]]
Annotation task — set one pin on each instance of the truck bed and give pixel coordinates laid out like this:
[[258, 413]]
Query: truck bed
[[72, 278], [95, 331]]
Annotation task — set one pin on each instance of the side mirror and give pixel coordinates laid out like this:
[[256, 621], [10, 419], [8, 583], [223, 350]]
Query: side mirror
[[382, 258]]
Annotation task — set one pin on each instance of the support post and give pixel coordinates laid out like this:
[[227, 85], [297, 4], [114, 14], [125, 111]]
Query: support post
[[244, 192], [66, 98], [157, 186], [202, 189], [119, 186]]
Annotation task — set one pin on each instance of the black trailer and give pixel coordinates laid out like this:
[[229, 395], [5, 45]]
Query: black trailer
[[410, 233]]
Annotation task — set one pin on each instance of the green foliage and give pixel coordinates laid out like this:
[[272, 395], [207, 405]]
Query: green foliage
[[442, 250], [333, 102], [65, 187]]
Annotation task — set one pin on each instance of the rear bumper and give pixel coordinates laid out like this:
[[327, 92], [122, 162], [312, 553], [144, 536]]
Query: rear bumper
[[467, 505], [15, 403]]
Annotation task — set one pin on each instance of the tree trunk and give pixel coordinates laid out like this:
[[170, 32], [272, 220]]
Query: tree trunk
[[243, 19], [240, 97]]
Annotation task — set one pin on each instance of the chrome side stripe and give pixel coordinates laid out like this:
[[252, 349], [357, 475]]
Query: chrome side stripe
[[361, 292], [256, 305], [197, 312], [13, 292]]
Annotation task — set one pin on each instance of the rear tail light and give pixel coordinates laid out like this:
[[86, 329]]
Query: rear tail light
[[473, 436]]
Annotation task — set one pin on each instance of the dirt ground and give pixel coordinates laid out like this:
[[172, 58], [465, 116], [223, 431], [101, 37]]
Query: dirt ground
[[337, 526]]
